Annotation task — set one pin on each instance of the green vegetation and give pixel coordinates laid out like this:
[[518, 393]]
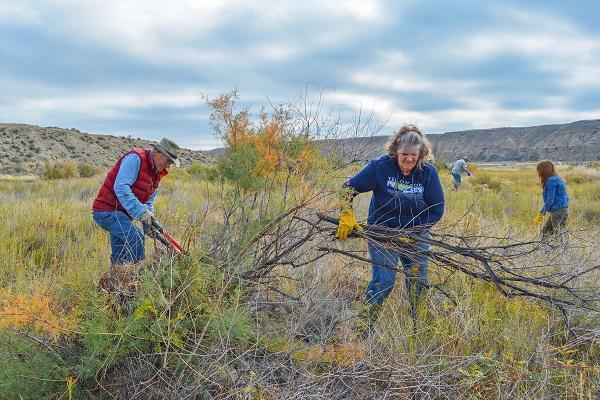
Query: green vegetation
[[253, 312], [66, 170]]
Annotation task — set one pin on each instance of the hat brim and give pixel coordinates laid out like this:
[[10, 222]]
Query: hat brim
[[165, 153]]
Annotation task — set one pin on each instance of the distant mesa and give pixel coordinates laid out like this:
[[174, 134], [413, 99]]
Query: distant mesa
[[27, 147], [573, 142]]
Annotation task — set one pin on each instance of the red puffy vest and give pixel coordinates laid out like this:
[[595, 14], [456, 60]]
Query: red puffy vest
[[143, 188]]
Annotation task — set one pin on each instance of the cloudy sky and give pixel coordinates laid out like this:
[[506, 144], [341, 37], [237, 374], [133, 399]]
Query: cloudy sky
[[145, 67]]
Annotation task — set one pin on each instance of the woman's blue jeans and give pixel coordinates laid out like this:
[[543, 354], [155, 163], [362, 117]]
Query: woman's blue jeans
[[126, 239], [383, 277]]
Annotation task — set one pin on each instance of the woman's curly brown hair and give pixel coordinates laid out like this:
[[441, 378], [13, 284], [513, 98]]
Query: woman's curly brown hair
[[410, 136]]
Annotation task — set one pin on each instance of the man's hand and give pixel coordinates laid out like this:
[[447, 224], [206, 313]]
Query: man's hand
[[406, 240], [146, 218], [347, 224]]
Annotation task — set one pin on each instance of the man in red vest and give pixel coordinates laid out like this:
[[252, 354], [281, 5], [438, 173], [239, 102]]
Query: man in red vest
[[128, 194]]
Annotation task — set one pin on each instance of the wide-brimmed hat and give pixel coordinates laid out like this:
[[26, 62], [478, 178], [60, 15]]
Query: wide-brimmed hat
[[169, 149]]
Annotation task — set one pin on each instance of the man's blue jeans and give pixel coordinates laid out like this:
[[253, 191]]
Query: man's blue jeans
[[126, 239], [383, 279], [457, 180]]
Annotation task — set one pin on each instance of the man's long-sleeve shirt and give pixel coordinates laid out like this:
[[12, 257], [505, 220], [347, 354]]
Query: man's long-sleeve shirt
[[460, 166], [128, 172]]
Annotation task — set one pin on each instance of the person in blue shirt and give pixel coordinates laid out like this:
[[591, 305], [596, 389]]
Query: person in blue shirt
[[128, 194], [458, 168], [556, 199], [406, 194]]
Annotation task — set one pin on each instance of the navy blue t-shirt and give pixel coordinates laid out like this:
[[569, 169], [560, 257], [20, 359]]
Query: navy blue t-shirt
[[399, 200]]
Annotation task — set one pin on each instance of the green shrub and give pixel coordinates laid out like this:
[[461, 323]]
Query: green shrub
[[59, 170], [202, 171], [28, 371], [239, 166], [86, 170], [232, 323], [575, 178], [486, 179]]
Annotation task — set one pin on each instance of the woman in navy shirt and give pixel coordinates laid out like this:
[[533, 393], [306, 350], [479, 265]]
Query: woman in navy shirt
[[556, 199], [407, 194]]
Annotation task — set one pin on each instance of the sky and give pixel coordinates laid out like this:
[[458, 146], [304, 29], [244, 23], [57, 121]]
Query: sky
[[145, 67]]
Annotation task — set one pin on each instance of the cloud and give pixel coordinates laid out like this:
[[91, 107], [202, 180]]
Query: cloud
[[522, 64], [407, 82], [475, 113], [109, 103], [187, 31], [25, 11], [141, 66], [551, 43], [397, 81]]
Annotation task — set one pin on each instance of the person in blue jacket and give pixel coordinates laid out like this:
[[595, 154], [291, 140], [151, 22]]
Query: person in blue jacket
[[556, 199], [406, 194]]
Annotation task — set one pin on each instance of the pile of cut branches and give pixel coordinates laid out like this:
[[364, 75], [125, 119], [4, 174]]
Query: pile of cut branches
[[497, 260]]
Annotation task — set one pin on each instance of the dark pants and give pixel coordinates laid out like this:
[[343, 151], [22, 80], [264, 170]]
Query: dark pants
[[555, 222]]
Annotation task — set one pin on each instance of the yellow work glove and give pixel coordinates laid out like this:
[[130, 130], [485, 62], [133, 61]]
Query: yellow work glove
[[406, 240], [539, 217], [347, 224]]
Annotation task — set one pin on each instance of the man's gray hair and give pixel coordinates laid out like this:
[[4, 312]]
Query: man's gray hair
[[410, 137]]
